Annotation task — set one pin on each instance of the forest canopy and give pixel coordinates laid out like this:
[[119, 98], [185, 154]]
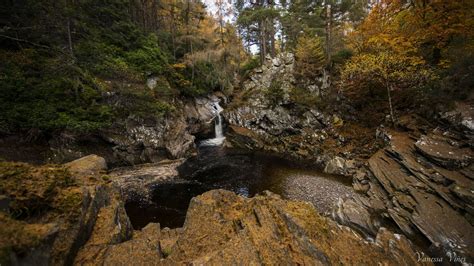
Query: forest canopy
[[60, 60]]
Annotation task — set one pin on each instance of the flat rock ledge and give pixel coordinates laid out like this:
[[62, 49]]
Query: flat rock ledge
[[137, 182]]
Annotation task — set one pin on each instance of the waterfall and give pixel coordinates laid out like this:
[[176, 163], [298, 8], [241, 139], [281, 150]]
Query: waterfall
[[219, 135]]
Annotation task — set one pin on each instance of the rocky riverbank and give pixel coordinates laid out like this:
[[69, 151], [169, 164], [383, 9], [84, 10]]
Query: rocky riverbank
[[422, 183], [82, 221]]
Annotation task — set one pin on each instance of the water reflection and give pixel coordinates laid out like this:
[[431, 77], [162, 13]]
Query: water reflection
[[243, 173]]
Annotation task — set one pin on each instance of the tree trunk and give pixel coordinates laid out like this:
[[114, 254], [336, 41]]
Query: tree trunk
[[328, 33], [69, 37], [392, 116]]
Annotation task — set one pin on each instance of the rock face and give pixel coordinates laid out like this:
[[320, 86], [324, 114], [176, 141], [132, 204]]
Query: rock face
[[425, 187], [256, 122], [222, 228], [200, 115], [139, 140]]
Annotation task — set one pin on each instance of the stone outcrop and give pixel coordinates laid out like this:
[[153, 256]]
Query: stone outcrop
[[423, 186], [139, 140], [63, 211], [340, 166], [223, 228], [257, 122]]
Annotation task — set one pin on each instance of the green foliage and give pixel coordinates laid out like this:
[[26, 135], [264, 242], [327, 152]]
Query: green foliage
[[141, 103], [196, 80], [48, 94], [249, 65], [342, 56], [274, 92], [149, 58], [303, 99], [302, 17], [310, 58]]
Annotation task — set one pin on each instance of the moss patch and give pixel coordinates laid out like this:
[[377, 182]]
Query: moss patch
[[16, 236], [33, 190], [38, 196]]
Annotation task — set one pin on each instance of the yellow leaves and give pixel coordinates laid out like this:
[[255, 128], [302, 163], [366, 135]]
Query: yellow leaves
[[384, 68], [406, 29], [179, 66], [309, 56]]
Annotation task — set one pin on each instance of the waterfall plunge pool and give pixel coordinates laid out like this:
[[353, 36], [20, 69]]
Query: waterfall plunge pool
[[218, 129], [242, 172]]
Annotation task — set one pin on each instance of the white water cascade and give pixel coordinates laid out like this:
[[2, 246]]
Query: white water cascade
[[219, 135]]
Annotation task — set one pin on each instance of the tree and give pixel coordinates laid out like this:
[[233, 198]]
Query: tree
[[388, 71], [310, 58], [256, 20]]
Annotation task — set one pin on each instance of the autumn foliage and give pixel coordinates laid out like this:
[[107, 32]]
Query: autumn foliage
[[409, 46]]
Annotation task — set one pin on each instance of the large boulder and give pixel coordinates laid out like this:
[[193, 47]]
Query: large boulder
[[87, 165], [223, 228], [339, 166], [137, 182]]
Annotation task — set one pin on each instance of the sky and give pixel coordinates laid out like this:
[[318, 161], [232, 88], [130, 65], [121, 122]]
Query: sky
[[211, 7]]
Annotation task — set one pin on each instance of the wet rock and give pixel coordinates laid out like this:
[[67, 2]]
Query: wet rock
[[223, 228], [200, 114], [89, 164], [337, 166], [137, 182]]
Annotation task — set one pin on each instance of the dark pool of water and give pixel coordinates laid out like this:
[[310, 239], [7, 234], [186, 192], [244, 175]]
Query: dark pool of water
[[243, 173]]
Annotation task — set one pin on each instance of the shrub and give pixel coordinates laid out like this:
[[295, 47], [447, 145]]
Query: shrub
[[275, 92]]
